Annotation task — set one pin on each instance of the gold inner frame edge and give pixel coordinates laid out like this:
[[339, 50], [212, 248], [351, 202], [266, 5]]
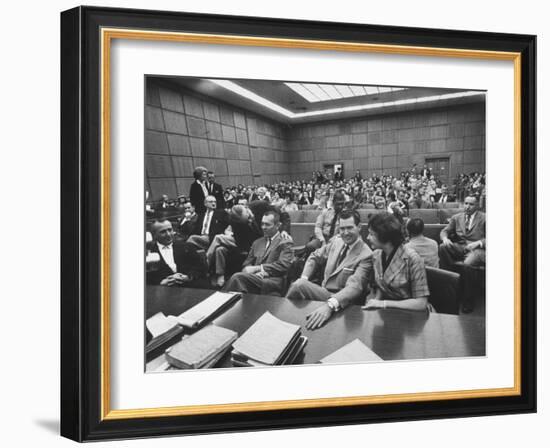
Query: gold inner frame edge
[[107, 34]]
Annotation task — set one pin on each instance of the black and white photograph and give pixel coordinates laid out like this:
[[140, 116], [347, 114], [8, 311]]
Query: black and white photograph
[[292, 223]]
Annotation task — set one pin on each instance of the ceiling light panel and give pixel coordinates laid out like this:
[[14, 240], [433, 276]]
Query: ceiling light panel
[[315, 93]]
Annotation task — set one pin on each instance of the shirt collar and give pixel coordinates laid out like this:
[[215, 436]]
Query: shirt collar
[[273, 237], [162, 246]]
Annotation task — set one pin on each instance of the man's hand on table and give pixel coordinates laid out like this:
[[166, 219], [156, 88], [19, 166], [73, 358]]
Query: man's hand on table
[[318, 318]]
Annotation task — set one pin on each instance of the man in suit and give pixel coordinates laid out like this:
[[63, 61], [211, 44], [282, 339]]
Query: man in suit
[[463, 239], [445, 196], [188, 223], [215, 190], [178, 263], [425, 247], [199, 189], [420, 199], [347, 263], [267, 263], [164, 203], [209, 224], [326, 224], [237, 238]]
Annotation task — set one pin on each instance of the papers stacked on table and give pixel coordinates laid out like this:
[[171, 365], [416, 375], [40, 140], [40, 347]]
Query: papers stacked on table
[[194, 317], [268, 342], [202, 349], [164, 328], [353, 352]]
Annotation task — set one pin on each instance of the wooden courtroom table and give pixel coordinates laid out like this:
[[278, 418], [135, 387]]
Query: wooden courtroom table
[[391, 334]]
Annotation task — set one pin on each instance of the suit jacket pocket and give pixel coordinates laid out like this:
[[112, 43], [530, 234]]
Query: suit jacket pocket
[[343, 276]]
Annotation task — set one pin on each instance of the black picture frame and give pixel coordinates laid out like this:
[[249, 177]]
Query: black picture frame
[[82, 406]]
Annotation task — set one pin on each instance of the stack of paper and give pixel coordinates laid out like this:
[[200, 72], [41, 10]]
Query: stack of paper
[[162, 329], [212, 305], [268, 342], [202, 349], [353, 352]]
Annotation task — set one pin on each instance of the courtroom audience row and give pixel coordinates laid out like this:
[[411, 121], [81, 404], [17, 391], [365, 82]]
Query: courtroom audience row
[[248, 247]]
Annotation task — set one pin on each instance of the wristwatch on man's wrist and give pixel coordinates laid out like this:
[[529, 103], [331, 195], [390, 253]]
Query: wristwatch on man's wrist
[[333, 304]]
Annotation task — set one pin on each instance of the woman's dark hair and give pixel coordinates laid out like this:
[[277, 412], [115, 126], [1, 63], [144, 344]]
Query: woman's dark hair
[[387, 228]]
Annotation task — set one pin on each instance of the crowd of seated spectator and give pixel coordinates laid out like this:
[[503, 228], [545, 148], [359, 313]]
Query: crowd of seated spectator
[[413, 188], [244, 236]]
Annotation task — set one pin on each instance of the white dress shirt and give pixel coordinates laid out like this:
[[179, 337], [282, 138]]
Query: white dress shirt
[[167, 253], [206, 222]]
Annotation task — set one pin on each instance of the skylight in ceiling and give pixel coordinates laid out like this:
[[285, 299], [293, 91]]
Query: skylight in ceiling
[[315, 93]]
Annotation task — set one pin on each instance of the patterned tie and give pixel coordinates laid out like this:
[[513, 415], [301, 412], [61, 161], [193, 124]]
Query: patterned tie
[[342, 255], [468, 220]]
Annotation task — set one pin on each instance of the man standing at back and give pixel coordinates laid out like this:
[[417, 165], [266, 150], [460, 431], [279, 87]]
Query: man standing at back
[[215, 189], [347, 262], [267, 263]]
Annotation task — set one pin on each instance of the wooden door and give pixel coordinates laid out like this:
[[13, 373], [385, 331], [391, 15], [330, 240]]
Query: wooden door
[[440, 168]]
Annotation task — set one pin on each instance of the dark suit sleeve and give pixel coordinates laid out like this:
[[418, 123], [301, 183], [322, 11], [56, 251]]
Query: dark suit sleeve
[[279, 267], [188, 261], [285, 222], [160, 273]]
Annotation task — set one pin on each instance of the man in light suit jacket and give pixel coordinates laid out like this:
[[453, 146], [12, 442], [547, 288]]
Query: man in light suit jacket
[[268, 260], [463, 239], [347, 263]]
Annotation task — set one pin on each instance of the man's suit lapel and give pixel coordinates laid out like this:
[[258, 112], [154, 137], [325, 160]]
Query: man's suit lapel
[[350, 257], [274, 242], [462, 222], [333, 256], [475, 221]]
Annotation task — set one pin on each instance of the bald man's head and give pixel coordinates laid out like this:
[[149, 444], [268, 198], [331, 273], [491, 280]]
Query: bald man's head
[[162, 232]]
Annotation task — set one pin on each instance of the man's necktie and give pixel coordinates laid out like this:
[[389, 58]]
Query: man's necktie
[[268, 243], [468, 219], [342, 255], [333, 225]]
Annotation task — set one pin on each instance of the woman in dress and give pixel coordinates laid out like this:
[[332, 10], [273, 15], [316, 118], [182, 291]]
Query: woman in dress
[[398, 278]]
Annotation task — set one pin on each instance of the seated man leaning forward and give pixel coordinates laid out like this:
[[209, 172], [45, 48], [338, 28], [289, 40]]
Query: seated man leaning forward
[[347, 261], [398, 278], [267, 263]]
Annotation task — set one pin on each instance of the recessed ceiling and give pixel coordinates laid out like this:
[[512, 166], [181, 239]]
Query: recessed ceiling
[[287, 102]]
